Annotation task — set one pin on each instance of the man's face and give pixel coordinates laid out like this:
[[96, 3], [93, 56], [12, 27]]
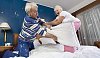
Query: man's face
[[33, 13]]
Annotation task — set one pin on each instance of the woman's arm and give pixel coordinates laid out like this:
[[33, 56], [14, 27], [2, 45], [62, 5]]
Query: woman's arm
[[56, 21]]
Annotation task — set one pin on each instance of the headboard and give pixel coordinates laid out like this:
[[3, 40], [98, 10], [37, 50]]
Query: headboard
[[15, 39]]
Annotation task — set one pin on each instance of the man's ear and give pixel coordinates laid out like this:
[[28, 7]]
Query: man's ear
[[29, 14]]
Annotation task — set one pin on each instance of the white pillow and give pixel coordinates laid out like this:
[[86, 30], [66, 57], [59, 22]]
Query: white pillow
[[66, 34], [53, 48], [50, 48], [47, 48], [44, 41]]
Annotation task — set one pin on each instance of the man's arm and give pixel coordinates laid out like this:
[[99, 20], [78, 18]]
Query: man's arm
[[44, 24]]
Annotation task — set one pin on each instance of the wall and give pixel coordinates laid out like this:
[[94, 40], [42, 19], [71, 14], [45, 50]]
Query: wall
[[12, 12], [91, 5], [80, 5]]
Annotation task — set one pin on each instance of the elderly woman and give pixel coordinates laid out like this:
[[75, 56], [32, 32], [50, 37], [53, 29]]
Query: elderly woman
[[64, 16], [63, 27], [32, 29]]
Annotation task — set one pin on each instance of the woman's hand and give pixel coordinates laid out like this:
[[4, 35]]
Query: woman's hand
[[49, 26]]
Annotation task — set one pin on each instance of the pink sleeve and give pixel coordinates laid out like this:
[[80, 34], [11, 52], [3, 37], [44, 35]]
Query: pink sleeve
[[77, 24]]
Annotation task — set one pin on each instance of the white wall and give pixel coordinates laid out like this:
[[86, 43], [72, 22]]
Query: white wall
[[80, 5]]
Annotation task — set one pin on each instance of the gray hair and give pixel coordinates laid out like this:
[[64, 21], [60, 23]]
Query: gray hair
[[58, 7], [30, 6]]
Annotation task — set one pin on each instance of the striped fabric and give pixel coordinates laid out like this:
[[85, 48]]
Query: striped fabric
[[30, 28]]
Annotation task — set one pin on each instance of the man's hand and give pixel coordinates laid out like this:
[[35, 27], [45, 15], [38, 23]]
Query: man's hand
[[40, 42], [38, 38]]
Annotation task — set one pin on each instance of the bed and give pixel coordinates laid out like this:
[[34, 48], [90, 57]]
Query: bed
[[51, 52], [74, 49]]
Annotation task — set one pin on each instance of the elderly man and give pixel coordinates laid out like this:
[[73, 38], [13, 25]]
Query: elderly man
[[32, 29]]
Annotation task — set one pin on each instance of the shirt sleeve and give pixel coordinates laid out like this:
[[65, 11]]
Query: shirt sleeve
[[63, 13], [42, 31], [67, 16], [41, 22]]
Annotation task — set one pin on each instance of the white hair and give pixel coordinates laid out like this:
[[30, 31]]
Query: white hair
[[30, 6], [58, 7]]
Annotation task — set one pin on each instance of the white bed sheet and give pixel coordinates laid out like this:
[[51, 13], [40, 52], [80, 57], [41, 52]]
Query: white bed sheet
[[49, 51], [87, 52], [82, 52], [51, 55]]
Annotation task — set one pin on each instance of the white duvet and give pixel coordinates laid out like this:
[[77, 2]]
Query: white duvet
[[51, 52], [87, 52]]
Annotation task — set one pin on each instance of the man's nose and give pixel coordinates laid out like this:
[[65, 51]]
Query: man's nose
[[37, 14]]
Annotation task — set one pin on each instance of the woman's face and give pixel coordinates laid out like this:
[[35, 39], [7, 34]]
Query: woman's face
[[33, 13], [57, 11]]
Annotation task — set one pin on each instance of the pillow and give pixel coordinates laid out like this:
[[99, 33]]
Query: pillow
[[44, 41], [48, 48], [54, 48], [65, 33]]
